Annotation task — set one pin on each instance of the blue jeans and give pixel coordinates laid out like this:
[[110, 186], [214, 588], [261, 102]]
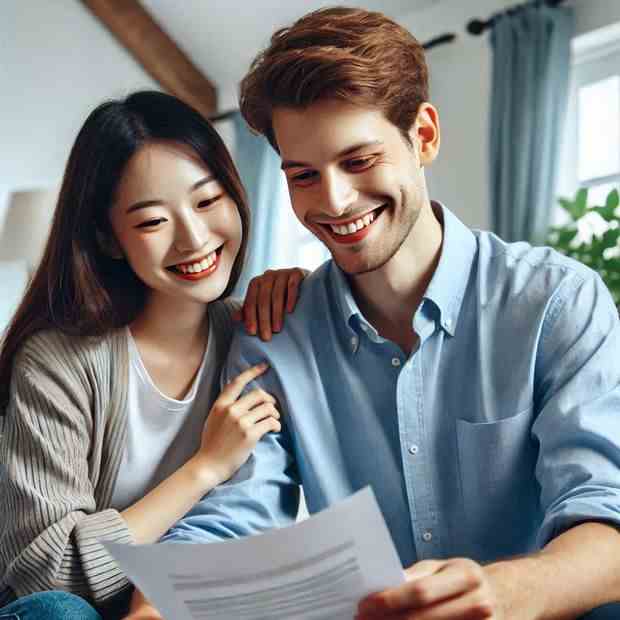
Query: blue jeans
[[53, 605]]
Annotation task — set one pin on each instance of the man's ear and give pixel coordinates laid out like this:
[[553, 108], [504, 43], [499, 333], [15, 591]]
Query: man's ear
[[109, 245], [425, 133]]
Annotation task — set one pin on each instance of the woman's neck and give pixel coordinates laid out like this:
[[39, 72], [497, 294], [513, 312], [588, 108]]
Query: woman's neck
[[167, 324]]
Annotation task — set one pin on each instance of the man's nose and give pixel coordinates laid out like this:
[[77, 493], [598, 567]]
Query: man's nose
[[338, 193], [192, 232]]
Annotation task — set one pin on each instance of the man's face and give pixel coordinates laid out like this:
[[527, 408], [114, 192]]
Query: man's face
[[354, 180]]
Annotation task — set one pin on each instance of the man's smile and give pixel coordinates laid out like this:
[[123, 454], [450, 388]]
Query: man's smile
[[353, 230]]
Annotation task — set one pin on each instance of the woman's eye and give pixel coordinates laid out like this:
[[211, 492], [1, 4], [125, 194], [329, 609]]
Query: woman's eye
[[360, 163], [151, 223], [203, 204]]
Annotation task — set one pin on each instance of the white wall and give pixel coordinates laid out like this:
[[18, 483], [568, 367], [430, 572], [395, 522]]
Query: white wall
[[460, 88], [56, 63]]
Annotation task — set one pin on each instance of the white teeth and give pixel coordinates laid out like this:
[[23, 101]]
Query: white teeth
[[197, 267], [352, 227]]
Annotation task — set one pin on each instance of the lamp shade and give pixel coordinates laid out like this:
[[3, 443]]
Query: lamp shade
[[26, 225]]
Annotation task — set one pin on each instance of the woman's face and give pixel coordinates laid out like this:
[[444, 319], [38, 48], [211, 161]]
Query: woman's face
[[175, 224]]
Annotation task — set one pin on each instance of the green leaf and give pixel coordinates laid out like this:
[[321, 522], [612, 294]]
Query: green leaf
[[580, 205], [613, 200], [606, 212], [566, 204], [610, 237]]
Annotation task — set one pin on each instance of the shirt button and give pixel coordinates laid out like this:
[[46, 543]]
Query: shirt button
[[395, 362], [354, 342], [427, 536], [413, 449]]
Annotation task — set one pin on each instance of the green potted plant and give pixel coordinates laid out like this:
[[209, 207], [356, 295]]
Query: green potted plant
[[591, 235]]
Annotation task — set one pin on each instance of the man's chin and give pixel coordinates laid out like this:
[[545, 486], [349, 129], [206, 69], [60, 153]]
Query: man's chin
[[356, 267]]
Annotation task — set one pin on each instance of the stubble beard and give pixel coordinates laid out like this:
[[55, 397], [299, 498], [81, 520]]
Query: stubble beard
[[384, 249]]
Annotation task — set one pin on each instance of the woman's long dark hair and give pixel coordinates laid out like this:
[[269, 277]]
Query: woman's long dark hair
[[77, 288]]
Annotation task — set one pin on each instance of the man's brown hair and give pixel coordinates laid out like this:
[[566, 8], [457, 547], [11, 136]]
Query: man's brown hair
[[353, 55]]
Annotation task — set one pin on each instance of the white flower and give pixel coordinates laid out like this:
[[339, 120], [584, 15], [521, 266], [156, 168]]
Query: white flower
[[589, 226], [609, 253]]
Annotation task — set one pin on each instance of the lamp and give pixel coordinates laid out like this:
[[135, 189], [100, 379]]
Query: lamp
[[26, 226], [22, 239]]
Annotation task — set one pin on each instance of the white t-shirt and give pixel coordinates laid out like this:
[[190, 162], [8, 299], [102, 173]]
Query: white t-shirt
[[162, 432]]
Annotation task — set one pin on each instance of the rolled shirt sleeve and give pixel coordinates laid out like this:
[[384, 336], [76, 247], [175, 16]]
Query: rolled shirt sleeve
[[578, 425]]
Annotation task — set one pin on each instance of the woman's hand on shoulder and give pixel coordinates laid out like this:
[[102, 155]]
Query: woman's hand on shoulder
[[268, 298]]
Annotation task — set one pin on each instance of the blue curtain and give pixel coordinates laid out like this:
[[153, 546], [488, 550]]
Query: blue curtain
[[259, 168], [530, 82]]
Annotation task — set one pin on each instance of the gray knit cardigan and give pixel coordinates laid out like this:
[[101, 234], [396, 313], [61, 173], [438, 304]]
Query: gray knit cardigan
[[61, 449]]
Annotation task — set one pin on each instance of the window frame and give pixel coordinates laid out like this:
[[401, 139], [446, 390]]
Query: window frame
[[595, 57]]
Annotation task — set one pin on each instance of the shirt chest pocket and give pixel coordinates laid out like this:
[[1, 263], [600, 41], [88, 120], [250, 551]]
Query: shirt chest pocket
[[497, 463]]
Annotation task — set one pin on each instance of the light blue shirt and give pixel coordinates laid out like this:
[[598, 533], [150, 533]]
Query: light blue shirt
[[497, 433]]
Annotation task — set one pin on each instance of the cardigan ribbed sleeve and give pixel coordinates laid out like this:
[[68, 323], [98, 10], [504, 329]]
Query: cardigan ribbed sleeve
[[60, 451]]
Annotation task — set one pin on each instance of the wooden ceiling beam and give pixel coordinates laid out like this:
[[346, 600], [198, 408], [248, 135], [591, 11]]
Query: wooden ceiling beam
[[158, 54]]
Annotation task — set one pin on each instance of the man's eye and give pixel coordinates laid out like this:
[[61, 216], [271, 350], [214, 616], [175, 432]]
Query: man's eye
[[203, 204], [304, 178], [151, 223], [360, 163]]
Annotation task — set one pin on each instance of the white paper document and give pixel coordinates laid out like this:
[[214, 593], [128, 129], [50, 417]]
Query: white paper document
[[314, 570]]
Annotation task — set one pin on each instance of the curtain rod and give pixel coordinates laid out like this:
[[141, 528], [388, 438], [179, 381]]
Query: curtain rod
[[440, 40], [478, 26]]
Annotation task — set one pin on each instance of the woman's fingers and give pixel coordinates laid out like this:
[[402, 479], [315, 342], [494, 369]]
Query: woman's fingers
[[252, 399], [292, 292], [262, 412], [232, 391], [249, 306], [278, 297], [265, 426], [265, 293], [268, 298]]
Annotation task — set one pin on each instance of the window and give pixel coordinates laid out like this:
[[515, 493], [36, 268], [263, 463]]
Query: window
[[591, 156]]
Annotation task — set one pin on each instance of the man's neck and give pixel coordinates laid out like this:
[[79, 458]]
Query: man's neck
[[388, 297]]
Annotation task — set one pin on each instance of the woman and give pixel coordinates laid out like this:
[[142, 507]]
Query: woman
[[111, 363]]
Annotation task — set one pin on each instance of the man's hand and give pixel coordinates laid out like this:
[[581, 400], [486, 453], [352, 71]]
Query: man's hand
[[455, 589]]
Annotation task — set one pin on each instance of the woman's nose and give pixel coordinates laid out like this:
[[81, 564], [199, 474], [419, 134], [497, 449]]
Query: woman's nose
[[192, 233]]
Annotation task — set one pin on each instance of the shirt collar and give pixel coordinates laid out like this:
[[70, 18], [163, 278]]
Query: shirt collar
[[344, 297], [449, 282], [447, 286]]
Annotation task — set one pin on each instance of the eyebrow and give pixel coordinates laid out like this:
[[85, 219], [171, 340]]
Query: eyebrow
[[143, 204], [351, 149]]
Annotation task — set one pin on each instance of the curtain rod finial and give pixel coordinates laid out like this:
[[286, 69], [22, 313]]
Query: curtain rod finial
[[476, 26]]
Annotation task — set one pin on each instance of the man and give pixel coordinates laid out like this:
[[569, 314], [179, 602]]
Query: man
[[472, 383]]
